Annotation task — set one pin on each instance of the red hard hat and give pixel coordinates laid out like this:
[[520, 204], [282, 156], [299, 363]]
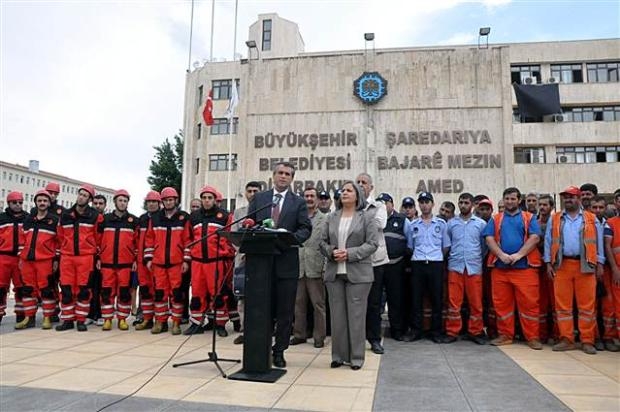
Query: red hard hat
[[43, 192], [121, 192], [15, 197], [487, 202], [88, 188], [219, 197], [169, 192], [153, 195], [209, 189], [53, 187], [571, 190]]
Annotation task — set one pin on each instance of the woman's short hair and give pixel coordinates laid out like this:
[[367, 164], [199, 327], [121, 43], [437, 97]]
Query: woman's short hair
[[360, 204]]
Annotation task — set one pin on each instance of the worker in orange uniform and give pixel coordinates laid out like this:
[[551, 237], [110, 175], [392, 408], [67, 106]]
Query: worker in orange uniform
[[39, 260], [152, 203], [512, 236], [11, 221], [465, 271], [79, 243], [208, 256], [117, 259], [574, 257], [611, 302], [167, 256]]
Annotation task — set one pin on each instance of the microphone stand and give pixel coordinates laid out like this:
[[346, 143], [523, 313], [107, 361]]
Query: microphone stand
[[213, 357]]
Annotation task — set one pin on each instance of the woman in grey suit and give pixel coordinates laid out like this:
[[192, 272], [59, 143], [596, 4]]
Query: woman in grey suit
[[348, 243]]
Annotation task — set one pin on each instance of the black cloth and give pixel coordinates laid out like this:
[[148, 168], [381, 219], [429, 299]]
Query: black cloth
[[427, 277], [389, 277], [95, 281], [294, 218], [537, 100]]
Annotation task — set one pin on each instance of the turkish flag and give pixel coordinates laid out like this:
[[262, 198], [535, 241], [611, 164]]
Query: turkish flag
[[207, 113]]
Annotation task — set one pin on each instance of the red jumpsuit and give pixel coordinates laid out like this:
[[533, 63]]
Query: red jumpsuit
[[165, 246], [119, 238], [209, 255], [79, 243], [40, 249], [145, 276], [10, 233]]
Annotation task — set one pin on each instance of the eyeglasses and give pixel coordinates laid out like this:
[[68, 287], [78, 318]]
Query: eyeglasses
[[17, 202]]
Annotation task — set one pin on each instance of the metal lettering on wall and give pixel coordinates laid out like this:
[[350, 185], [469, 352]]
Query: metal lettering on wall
[[311, 140]]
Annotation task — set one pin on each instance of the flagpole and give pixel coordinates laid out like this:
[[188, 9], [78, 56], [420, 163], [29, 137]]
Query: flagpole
[[212, 24], [231, 117], [191, 31], [235, 34]]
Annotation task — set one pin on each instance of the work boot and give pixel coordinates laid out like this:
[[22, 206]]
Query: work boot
[[563, 345], [194, 329], [238, 340], [107, 325], [534, 344], [611, 346], [145, 324], [122, 324], [158, 327], [449, 339], [81, 326], [66, 325], [27, 322], [47, 323], [501, 340], [221, 331], [588, 349], [209, 325], [599, 345], [55, 319], [480, 339], [176, 327]]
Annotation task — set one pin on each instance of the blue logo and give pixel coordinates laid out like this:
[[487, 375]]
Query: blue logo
[[370, 87]]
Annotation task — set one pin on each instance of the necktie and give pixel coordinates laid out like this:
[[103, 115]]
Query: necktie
[[275, 210]]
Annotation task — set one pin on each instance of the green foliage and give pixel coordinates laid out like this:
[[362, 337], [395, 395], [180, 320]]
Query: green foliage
[[167, 167]]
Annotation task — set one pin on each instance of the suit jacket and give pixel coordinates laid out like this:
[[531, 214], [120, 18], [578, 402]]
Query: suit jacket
[[362, 241], [294, 218], [311, 260]]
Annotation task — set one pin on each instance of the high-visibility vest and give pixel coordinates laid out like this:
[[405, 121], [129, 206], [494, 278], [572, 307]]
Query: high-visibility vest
[[534, 258], [614, 224], [588, 237]]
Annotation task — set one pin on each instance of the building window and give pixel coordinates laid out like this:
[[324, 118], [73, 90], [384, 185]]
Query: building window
[[198, 131], [266, 35], [603, 72], [4, 175], [221, 126], [222, 89], [529, 154], [521, 74], [587, 154], [567, 73], [197, 166], [199, 97], [10, 177], [591, 114], [220, 162]]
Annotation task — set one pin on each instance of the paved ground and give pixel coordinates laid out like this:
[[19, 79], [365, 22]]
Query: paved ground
[[70, 371]]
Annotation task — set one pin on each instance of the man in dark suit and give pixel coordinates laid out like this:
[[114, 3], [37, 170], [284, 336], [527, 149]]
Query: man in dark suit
[[288, 212]]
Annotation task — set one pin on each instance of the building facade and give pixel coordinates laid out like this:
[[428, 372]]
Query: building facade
[[29, 180], [447, 123]]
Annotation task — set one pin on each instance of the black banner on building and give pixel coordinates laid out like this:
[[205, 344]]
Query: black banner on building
[[538, 100]]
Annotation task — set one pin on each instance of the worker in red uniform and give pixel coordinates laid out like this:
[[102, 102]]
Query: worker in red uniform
[[211, 254], [39, 260], [10, 230], [152, 203], [117, 259], [79, 242], [167, 256]]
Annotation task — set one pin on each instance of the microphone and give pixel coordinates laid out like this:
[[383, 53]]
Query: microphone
[[248, 223]]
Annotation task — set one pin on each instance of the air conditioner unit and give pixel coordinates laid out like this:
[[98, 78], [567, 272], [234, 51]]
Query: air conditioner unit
[[531, 80], [558, 118], [553, 118], [563, 159], [553, 80]]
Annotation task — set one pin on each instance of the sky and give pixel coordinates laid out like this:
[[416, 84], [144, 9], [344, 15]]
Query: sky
[[89, 87]]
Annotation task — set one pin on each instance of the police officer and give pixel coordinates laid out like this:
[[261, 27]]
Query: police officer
[[429, 241]]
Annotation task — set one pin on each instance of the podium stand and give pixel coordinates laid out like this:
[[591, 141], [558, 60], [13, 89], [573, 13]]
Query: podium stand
[[261, 248]]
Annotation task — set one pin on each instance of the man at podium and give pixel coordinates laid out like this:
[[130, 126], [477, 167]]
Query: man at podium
[[288, 211]]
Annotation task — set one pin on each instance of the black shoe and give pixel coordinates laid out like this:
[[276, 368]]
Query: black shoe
[[319, 344], [599, 345], [55, 319], [164, 327], [221, 331], [397, 336], [478, 339], [449, 339], [376, 347], [236, 325], [238, 340], [356, 367], [184, 321], [437, 339], [412, 337], [81, 326], [336, 364], [278, 360], [194, 329], [208, 326], [136, 321], [297, 341], [19, 318], [66, 325]]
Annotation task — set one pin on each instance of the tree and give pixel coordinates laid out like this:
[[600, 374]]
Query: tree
[[167, 167]]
